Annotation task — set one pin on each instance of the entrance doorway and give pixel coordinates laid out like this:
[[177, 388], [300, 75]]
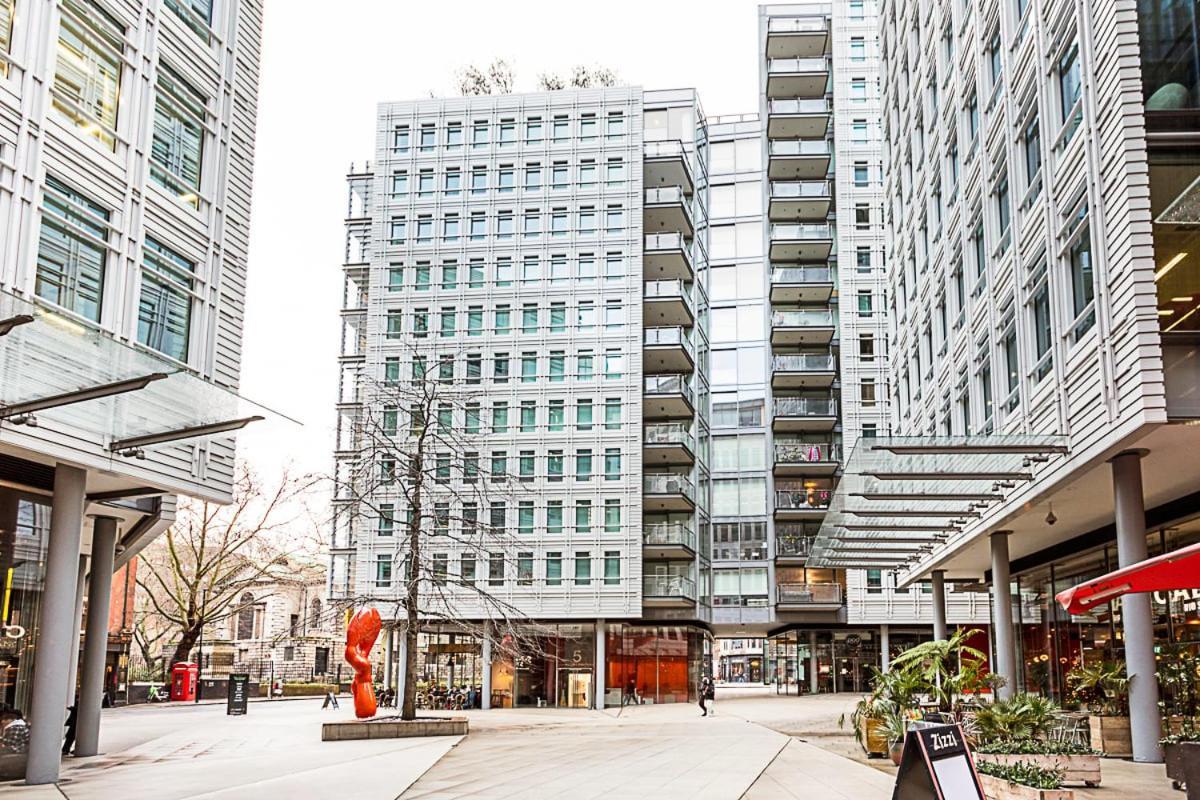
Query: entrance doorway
[[574, 688]]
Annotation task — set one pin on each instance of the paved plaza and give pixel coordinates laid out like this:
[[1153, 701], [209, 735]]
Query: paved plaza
[[759, 746]]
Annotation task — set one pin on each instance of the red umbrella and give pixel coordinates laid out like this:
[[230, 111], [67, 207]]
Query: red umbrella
[[1177, 570]]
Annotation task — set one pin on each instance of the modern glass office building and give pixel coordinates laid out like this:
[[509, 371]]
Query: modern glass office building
[[126, 157]]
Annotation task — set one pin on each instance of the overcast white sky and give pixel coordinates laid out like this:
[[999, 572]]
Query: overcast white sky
[[324, 69]]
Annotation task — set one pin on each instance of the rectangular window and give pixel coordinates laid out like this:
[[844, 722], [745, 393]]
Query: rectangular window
[[495, 569], [1083, 284], [506, 179], [612, 515], [612, 464], [554, 517], [533, 177], [467, 568], [558, 317], [529, 318], [87, 74], [525, 465], [454, 135], [583, 568], [584, 367], [558, 366], [583, 415], [874, 581], [612, 567], [500, 368], [1070, 86], [165, 306], [554, 465], [499, 417], [479, 134], [428, 137], [557, 415], [554, 568], [503, 320], [583, 516], [583, 464], [72, 250], [447, 326], [524, 569], [528, 367], [425, 183], [528, 416], [400, 137], [453, 182], [387, 519], [560, 175], [612, 413], [475, 321], [383, 571], [177, 149], [196, 14]]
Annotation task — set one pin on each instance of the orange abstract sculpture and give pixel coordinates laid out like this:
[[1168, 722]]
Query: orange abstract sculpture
[[361, 634]]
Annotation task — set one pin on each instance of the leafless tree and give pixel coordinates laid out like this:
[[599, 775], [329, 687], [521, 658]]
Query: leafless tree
[[496, 78], [195, 574], [418, 441]]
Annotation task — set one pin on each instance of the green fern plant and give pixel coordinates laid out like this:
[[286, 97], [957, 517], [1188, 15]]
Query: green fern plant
[[1102, 687], [1022, 716]]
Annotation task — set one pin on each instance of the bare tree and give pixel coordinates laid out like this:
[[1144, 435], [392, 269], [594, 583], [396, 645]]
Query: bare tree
[[549, 82], [195, 574], [496, 78], [582, 77], [418, 445]]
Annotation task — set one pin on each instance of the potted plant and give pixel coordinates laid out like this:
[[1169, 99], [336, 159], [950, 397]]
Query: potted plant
[[895, 728], [1103, 688], [1021, 780], [1022, 716], [948, 667], [1178, 749], [1077, 763], [874, 716]]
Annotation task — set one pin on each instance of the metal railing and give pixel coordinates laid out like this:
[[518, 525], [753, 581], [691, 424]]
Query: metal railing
[[666, 336], [667, 241], [669, 384], [669, 586], [803, 362], [801, 190], [793, 546], [805, 407], [666, 290], [669, 534], [806, 452], [801, 147], [802, 499], [805, 593], [666, 194], [802, 319], [800, 105], [668, 484], [802, 230], [783, 275], [786, 65], [669, 433], [797, 25]]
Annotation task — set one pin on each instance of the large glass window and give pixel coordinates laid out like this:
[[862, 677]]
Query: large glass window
[[6, 21], [165, 308], [87, 76], [196, 14], [178, 146], [1083, 284], [72, 250]]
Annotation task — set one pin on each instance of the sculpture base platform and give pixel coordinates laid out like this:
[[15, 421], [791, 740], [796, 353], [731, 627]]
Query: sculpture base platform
[[393, 728]]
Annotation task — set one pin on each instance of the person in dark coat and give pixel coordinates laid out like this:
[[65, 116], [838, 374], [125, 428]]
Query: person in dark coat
[[704, 692], [72, 722]]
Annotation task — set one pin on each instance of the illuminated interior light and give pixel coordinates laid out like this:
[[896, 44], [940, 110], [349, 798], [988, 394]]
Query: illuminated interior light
[[1170, 265]]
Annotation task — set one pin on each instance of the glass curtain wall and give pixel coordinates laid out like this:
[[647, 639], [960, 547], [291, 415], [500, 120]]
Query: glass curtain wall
[[22, 582], [660, 664]]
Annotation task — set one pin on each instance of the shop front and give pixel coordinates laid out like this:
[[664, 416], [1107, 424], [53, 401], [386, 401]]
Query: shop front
[[22, 581], [655, 664], [552, 668]]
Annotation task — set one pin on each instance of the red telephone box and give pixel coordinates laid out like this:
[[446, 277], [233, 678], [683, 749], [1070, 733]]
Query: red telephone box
[[183, 681]]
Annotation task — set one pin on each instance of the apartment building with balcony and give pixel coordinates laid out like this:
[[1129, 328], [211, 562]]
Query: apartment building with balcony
[[1041, 174], [545, 254], [126, 158]]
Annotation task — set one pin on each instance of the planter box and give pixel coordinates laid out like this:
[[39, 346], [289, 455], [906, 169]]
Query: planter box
[[1178, 758], [875, 741], [1111, 735], [1000, 789], [393, 728], [1077, 768]]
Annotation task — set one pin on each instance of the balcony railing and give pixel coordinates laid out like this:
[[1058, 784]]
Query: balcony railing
[[667, 241], [668, 336], [800, 105], [789, 275], [802, 319], [801, 190], [796, 25], [801, 147], [669, 384], [802, 499], [791, 65], [668, 484], [805, 231], [806, 452], [666, 194], [793, 546], [805, 407], [669, 586], [803, 362], [808, 593], [669, 534], [669, 433]]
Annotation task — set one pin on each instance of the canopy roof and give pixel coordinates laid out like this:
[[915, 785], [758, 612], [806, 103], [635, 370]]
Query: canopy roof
[[1177, 570], [900, 498]]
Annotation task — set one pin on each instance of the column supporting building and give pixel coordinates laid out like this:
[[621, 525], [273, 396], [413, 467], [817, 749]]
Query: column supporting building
[[57, 634], [812, 662], [389, 644], [486, 650], [95, 641], [885, 643], [1137, 621], [601, 636], [1005, 664], [938, 579], [80, 590]]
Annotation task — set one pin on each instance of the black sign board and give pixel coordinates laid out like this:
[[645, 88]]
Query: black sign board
[[239, 696], [936, 766]]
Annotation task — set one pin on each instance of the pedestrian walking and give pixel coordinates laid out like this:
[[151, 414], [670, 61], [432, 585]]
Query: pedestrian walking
[[705, 686], [72, 721], [330, 700], [712, 697]]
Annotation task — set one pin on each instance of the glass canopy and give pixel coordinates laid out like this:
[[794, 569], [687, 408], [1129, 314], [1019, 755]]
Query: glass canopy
[[900, 498], [56, 371]]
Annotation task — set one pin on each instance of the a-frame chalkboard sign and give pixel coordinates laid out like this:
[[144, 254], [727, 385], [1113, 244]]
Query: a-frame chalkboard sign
[[936, 766]]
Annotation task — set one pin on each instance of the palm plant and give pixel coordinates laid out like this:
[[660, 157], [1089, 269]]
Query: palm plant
[[1022, 716], [947, 666], [1103, 687]]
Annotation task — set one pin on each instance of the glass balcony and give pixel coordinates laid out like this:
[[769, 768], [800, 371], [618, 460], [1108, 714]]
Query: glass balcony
[[806, 458], [667, 256], [797, 77], [668, 163], [797, 37], [667, 349], [802, 414], [812, 327], [668, 589], [668, 540], [800, 200], [792, 546], [801, 502], [668, 210], [803, 284], [808, 594], [803, 241], [668, 444], [666, 304], [798, 159], [668, 397], [800, 118], [667, 492]]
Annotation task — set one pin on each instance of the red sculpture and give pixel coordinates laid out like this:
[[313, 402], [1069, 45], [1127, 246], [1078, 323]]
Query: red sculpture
[[361, 634]]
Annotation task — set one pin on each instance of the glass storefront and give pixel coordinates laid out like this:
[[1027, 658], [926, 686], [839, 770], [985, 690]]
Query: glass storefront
[[22, 581], [655, 664], [843, 660]]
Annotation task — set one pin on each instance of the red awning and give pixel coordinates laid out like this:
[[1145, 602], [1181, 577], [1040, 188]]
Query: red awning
[[1177, 570]]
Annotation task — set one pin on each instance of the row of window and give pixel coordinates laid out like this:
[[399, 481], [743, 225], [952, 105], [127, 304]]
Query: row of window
[[502, 224], [557, 269], [427, 137], [612, 367], [502, 571], [443, 468], [505, 417], [585, 316], [536, 177], [586, 519]]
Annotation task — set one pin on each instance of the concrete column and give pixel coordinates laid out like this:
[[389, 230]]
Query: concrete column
[[80, 590], [57, 635], [601, 632], [389, 643], [91, 694], [812, 661], [401, 665], [1005, 664], [938, 579], [486, 701], [1137, 621], [885, 643]]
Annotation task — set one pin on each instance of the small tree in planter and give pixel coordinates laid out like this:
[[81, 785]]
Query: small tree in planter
[[879, 720], [1103, 688], [950, 668]]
